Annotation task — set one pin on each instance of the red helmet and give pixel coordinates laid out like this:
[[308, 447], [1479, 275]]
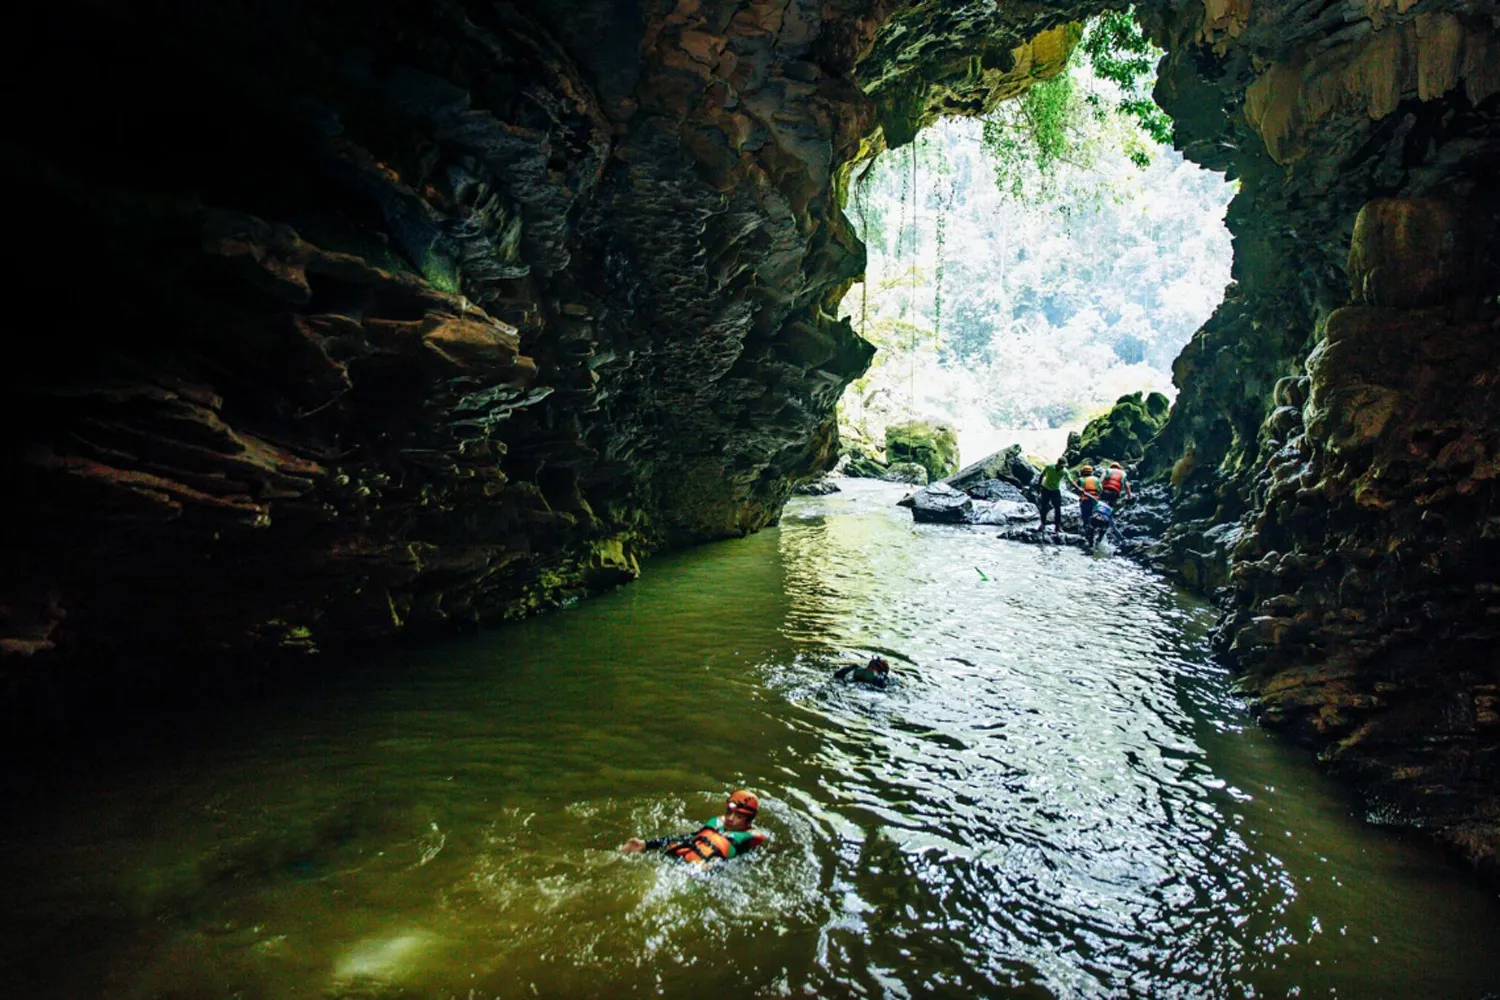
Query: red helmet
[[742, 801]]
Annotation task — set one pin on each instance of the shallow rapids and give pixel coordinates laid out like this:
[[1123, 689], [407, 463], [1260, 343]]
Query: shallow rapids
[[1059, 798]]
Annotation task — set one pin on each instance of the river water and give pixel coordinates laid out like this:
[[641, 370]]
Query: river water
[[1060, 798]]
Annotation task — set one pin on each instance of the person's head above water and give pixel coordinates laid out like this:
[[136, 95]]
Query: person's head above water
[[879, 665], [740, 810]]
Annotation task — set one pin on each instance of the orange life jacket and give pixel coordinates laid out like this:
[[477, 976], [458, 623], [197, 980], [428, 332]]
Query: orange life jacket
[[1090, 486], [1114, 480], [706, 845]]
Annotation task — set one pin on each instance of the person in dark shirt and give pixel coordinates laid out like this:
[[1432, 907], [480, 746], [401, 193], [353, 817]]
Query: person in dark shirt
[[719, 839], [876, 673]]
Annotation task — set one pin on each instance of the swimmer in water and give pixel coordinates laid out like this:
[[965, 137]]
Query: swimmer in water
[[876, 673], [719, 839]]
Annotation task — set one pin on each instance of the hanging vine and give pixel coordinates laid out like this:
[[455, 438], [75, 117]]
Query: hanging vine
[[945, 197], [916, 246]]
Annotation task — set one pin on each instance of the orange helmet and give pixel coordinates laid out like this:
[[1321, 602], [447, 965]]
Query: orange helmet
[[742, 801], [1087, 470]]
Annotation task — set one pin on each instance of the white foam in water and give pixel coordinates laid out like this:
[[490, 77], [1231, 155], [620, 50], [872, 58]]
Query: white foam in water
[[383, 958]]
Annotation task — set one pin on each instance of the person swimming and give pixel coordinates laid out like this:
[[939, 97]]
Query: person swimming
[[719, 839], [876, 673]]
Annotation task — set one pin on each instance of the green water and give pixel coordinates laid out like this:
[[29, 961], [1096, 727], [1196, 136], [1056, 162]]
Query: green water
[[1060, 798]]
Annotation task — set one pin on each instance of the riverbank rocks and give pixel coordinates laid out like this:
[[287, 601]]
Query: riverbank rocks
[[933, 446]]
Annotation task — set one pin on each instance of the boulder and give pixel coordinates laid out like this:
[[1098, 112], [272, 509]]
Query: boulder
[[996, 489], [1008, 465], [817, 488], [862, 466], [1004, 512], [941, 504], [932, 446]]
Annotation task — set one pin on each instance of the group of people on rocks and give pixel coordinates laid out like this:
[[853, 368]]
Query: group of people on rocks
[[1098, 496]]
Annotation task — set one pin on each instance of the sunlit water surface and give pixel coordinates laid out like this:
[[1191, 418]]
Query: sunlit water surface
[[1061, 798]]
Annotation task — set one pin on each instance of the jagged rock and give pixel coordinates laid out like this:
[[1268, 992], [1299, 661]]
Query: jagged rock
[[932, 446], [1009, 465], [906, 472], [941, 504], [996, 489]]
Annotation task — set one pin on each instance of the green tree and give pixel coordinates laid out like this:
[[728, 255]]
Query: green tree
[[1101, 102]]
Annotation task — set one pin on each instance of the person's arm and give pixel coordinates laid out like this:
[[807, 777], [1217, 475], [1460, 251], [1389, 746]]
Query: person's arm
[[635, 845], [843, 672]]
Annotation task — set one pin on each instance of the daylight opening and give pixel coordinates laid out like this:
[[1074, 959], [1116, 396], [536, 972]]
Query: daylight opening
[[1028, 269]]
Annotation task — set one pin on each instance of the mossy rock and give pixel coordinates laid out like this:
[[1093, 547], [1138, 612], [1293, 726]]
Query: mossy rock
[[862, 466], [1121, 434], [932, 446]]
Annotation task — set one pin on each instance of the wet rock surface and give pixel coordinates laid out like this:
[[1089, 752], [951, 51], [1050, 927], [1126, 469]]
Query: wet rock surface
[[996, 504], [1332, 449], [941, 504]]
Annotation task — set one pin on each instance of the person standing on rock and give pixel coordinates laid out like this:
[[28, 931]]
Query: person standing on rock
[[1049, 495], [1112, 484], [1087, 485]]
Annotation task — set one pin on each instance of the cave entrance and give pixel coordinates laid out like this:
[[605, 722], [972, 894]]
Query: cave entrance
[[1028, 268]]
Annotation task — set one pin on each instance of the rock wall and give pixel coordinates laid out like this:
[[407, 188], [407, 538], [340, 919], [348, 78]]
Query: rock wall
[[1335, 445], [359, 320]]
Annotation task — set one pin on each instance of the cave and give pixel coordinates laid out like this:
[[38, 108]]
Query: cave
[[360, 323]]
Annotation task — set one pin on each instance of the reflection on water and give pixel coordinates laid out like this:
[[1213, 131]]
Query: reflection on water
[[1059, 798]]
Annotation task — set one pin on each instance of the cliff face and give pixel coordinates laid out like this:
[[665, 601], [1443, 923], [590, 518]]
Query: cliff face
[[1335, 446], [363, 319]]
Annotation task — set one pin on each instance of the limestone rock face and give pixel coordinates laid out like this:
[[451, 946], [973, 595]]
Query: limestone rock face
[[1332, 451], [363, 319]]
